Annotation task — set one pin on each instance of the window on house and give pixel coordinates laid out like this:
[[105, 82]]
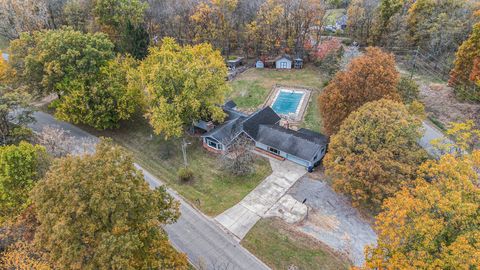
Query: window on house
[[213, 144], [283, 64], [273, 150]]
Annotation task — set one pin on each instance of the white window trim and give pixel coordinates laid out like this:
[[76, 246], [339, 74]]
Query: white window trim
[[218, 145]]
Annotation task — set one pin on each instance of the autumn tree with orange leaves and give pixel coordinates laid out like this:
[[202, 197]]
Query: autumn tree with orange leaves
[[435, 224], [465, 76], [370, 77]]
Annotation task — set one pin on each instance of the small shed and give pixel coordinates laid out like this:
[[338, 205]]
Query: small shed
[[234, 63], [298, 63], [259, 64], [5, 56], [283, 62]]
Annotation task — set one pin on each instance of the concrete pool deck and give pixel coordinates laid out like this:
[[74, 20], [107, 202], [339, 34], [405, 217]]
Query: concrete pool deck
[[302, 106]]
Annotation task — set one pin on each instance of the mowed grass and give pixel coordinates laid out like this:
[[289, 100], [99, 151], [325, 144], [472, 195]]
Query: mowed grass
[[212, 190], [332, 15], [251, 89], [272, 242], [312, 119]]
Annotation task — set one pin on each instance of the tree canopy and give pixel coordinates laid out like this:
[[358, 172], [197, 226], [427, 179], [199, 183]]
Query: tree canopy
[[14, 116], [370, 77], [433, 225], [465, 76], [20, 168], [408, 90], [104, 101], [48, 60], [97, 212], [3, 68], [182, 84], [374, 153]]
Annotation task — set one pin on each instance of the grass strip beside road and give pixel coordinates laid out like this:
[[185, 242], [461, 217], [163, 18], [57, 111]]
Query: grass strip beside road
[[212, 190], [280, 247]]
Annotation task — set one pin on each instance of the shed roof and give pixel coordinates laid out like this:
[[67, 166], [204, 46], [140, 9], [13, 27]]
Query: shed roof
[[230, 104], [227, 132], [286, 56]]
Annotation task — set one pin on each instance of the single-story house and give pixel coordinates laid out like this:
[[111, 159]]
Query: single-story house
[[283, 62], [304, 147]]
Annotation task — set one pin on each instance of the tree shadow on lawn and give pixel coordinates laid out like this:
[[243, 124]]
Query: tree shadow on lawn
[[212, 189]]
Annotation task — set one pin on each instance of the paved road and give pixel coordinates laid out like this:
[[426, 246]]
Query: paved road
[[205, 244], [431, 133]]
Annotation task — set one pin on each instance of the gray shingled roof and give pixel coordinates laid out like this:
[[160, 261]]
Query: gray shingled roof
[[288, 57], [265, 116], [289, 141], [228, 131], [263, 127], [230, 104]]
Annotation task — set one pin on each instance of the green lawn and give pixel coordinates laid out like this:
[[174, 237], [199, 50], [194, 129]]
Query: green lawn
[[251, 88], [272, 242], [332, 15], [312, 119], [212, 190]]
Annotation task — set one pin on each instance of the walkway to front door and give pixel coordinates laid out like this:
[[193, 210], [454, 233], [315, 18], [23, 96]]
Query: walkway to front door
[[240, 218]]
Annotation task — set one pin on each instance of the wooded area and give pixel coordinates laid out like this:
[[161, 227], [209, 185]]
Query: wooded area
[[154, 68]]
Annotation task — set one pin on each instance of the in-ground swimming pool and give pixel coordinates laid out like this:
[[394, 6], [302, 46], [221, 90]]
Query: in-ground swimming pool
[[287, 102]]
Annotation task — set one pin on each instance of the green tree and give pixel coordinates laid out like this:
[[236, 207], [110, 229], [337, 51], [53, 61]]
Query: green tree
[[115, 14], [182, 84], [47, 61], [135, 41], [408, 90], [14, 116], [103, 102], [439, 26], [20, 168], [97, 212], [435, 224], [374, 153]]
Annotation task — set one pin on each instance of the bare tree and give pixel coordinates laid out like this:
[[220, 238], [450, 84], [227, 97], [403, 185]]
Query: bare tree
[[238, 157], [22, 15], [60, 142]]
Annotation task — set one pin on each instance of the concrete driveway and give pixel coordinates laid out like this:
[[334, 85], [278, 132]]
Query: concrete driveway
[[331, 219], [240, 218]]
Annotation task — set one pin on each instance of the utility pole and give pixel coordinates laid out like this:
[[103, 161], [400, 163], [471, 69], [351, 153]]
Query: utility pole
[[414, 62], [184, 151]]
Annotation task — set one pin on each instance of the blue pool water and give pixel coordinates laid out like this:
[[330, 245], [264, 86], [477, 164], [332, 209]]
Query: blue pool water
[[287, 102]]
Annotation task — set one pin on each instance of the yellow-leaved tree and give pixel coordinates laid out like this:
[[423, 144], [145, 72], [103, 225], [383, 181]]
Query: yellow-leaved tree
[[374, 153], [3, 68], [436, 223], [97, 212], [182, 84]]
